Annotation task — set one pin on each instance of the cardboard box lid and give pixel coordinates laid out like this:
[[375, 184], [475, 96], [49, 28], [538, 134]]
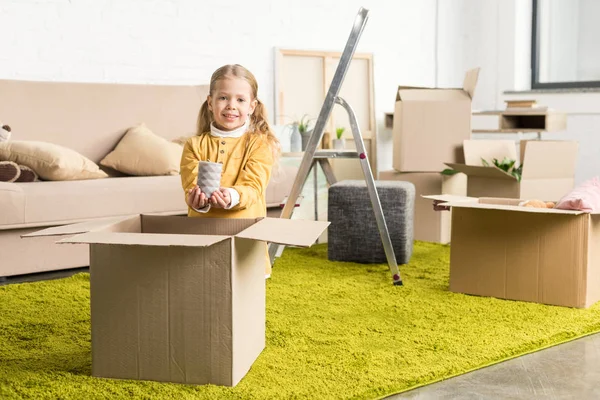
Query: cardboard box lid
[[145, 239], [295, 232], [404, 88], [425, 94], [418, 93], [475, 150], [481, 171], [497, 203], [80, 227], [447, 198], [549, 158], [470, 81]]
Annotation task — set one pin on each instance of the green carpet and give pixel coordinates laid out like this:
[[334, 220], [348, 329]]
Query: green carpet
[[334, 330]]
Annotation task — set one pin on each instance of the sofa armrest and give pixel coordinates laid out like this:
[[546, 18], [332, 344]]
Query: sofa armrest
[[280, 185], [12, 204]]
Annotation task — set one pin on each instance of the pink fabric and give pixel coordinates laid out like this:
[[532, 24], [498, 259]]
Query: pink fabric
[[585, 197]]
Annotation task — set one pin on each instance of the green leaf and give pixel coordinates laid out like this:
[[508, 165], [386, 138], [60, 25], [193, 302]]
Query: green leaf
[[449, 171], [507, 165]]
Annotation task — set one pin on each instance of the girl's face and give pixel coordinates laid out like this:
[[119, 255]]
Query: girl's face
[[231, 103]]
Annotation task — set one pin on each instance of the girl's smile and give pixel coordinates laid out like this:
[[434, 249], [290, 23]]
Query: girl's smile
[[231, 103]]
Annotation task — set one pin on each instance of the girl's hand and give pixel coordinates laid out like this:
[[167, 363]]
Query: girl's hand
[[196, 199], [220, 198]]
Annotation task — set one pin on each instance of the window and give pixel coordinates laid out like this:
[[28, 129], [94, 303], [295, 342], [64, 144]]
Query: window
[[564, 51]]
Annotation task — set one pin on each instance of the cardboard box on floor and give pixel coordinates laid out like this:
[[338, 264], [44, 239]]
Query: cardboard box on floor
[[540, 255], [548, 169], [430, 125], [179, 299], [430, 225]]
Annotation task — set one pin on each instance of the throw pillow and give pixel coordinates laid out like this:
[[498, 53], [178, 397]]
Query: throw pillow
[[141, 152], [50, 161], [585, 197]]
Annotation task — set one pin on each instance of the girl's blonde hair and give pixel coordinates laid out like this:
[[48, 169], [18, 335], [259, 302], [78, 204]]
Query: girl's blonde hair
[[258, 119]]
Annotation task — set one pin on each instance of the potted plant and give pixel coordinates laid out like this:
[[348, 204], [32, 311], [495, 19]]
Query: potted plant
[[303, 128], [338, 144]]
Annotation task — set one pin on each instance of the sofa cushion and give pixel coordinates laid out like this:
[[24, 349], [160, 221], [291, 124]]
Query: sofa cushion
[[141, 152], [51, 161], [48, 203], [12, 204]]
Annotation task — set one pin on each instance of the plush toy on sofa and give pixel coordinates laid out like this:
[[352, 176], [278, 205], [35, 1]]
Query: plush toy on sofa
[[10, 171], [5, 133]]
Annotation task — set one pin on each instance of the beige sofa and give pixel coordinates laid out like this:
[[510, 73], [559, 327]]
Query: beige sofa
[[91, 119]]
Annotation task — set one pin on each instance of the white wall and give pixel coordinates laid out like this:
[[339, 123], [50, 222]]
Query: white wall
[[589, 31], [466, 30], [559, 41], [183, 41]]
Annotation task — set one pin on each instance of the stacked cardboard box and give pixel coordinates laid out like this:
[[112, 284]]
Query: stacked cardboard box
[[429, 127]]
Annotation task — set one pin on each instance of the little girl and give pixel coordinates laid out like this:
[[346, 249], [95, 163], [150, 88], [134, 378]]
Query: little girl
[[232, 130]]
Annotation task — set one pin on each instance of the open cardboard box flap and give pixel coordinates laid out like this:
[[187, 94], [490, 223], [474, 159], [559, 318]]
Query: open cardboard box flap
[[81, 227], [481, 171], [549, 158], [425, 94], [145, 239], [541, 159], [496, 203], [402, 89], [295, 232], [418, 93], [470, 81], [476, 150], [178, 231]]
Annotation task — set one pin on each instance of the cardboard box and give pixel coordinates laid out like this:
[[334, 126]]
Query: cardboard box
[[548, 169], [547, 256], [179, 299], [429, 225], [423, 116]]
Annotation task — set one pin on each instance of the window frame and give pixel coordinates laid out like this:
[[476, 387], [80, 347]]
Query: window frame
[[535, 60]]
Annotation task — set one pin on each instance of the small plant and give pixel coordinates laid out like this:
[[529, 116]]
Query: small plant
[[339, 132], [507, 165], [303, 124], [449, 171]]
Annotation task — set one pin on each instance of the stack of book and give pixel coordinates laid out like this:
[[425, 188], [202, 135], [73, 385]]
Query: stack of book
[[524, 105]]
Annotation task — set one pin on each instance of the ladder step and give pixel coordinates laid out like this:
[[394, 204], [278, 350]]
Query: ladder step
[[336, 154], [285, 199]]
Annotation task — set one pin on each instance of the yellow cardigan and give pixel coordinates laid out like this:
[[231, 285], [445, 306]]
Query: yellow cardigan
[[246, 168]]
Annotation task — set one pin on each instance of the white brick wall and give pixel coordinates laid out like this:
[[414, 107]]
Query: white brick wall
[[181, 42], [184, 41]]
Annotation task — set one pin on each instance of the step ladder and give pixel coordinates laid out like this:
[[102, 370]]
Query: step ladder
[[312, 156]]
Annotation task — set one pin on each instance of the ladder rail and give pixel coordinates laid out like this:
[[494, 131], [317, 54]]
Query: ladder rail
[[312, 158], [373, 195], [319, 128]]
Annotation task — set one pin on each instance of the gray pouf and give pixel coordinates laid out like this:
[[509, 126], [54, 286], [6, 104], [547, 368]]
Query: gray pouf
[[353, 234]]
